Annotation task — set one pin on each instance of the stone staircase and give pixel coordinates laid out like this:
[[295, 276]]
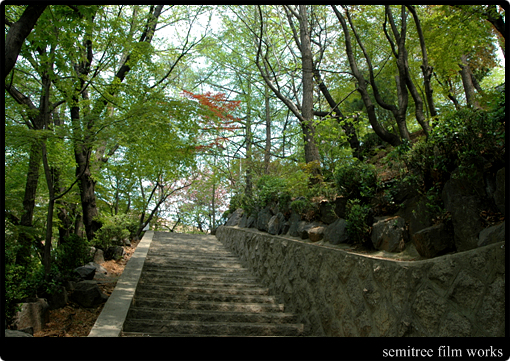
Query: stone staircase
[[191, 286]]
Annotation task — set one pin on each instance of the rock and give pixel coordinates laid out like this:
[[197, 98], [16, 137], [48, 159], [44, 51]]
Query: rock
[[465, 207], [434, 241], [99, 269], [341, 207], [327, 212], [99, 257], [235, 218], [33, 314], [251, 222], [85, 273], [114, 253], [294, 221], [87, 294], [57, 299], [11, 333], [276, 225], [263, 219], [492, 235], [126, 242], [499, 195], [316, 234], [467, 224], [390, 235], [304, 228], [243, 221], [336, 233], [417, 214]]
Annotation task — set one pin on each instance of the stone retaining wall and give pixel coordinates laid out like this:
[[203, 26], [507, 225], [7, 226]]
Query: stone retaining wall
[[339, 294]]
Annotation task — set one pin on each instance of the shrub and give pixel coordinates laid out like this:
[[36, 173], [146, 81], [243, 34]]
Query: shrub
[[357, 180], [357, 218], [270, 189], [74, 252], [116, 227]]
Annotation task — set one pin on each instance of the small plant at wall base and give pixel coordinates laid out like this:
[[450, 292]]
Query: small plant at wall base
[[357, 222]]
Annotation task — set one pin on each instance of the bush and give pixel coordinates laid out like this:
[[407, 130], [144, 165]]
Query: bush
[[357, 218], [270, 189], [117, 227], [357, 180], [73, 253], [19, 281]]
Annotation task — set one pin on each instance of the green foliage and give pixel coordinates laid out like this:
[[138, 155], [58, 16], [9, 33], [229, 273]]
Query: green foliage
[[18, 280], [357, 180], [271, 189], [357, 217], [116, 227], [73, 253]]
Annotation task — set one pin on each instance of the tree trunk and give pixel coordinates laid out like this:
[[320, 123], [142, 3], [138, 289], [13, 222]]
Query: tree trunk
[[348, 128], [467, 80], [363, 87], [18, 33], [267, 152]]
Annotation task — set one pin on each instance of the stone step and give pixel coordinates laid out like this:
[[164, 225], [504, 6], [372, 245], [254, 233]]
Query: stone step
[[231, 290], [212, 328], [207, 306], [199, 273], [204, 297], [190, 282], [210, 316], [173, 263]]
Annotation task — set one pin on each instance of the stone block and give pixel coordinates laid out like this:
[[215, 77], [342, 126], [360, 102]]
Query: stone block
[[433, 241], [492, 235], [499, 195], [235, 218], [33, 314], [87, 294], [390, 235], [336, 233], [316, 234]]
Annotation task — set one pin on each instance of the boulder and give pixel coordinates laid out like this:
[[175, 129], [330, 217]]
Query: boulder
[[114, 253], [85, 273], [99, 257], [57, 299], [336, 233], [341, 207], [390, 235], [235, 218], [12, 333], [499, 195], [99, 269], [294, 221], [33, 314], [276, 225], [433, 241], [304, 228], [327, 213], [417, 214], [316, 234], [87, 294], [464, 200], [263, 219], [492, 235]]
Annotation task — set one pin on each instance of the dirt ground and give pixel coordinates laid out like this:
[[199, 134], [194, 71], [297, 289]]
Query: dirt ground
[[75, 321]]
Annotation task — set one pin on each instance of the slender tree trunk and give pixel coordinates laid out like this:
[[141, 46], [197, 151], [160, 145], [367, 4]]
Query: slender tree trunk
[[26, 222], [312, 155], [267, 153], [363, 87], [467, 80], [17, 34]]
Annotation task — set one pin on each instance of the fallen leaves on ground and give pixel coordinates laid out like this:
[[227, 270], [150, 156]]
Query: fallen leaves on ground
[[75, 321]]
